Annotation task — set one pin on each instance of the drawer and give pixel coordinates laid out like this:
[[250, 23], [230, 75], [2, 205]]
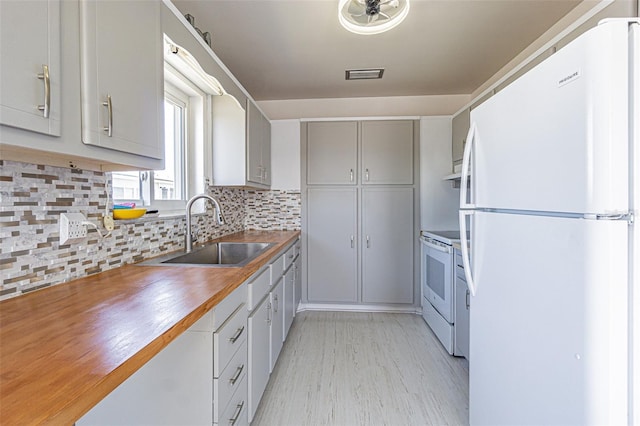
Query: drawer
[[229, 381], [258, 288], [216, 317], [289, 255], [228, 339], [277, 268], [236, 413]]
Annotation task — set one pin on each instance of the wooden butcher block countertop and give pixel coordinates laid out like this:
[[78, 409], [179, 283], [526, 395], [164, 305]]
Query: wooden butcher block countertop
[[64, 348]]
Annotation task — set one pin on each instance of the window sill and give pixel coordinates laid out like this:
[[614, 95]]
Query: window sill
[[166, 214]]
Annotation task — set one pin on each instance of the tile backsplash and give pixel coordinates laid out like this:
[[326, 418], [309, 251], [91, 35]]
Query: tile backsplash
[[32, 197]]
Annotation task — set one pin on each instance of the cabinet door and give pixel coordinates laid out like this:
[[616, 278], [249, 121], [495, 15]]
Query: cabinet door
[[331, 245], [277, 322], [265, 149], [387, 152], [174, 388], [289, 300], [259, 366], [122, 76], [29, 42], [332, 153], [387, 241], [461, 329], [255, 171], [459, 129], [297, 289]]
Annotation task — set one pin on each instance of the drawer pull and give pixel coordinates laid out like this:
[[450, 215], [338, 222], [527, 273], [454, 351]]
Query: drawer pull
[[109, 105], [236, 336], [47, 92], [236, 416], [236, 376]]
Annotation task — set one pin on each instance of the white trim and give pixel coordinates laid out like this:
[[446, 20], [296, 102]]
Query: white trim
[[334, 307], [398, 117], [209, 50]]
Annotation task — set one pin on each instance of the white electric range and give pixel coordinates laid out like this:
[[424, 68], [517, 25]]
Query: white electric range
[[437, 279]]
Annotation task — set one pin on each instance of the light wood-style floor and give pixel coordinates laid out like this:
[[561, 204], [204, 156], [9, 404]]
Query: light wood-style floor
[[343, 369]]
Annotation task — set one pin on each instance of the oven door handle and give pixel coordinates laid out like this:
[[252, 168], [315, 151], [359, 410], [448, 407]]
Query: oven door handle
[[435, 247]]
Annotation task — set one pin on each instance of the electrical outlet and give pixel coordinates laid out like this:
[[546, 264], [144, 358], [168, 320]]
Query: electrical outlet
[[71, 228]]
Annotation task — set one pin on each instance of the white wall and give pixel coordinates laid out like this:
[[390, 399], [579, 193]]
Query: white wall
[[438, 200], [285, 155]]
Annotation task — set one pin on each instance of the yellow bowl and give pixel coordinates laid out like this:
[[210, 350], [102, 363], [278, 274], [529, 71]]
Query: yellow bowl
[[128, 213]]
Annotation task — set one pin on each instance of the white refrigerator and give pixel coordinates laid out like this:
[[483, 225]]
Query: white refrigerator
[[553, 162]]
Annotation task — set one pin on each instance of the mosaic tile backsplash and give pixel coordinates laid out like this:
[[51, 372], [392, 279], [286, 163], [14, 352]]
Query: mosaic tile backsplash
[[32, 197]]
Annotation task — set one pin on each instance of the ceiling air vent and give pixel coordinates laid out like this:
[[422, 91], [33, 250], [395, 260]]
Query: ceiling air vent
[[366, 74]]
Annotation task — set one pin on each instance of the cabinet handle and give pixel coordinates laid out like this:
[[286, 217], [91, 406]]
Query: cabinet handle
[[368, 242], [236, 376], [269, 313], [351, 175], [234, 419], [275, 303], [47, 91], [366, 175], [466, 299], [109, 128], [352, 242], [236, 336]]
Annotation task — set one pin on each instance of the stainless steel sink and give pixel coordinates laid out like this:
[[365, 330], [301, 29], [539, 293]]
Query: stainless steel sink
[[223, 254]]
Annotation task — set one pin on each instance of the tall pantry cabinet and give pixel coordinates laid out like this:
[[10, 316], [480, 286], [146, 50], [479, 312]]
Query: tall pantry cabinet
[[359, 189]]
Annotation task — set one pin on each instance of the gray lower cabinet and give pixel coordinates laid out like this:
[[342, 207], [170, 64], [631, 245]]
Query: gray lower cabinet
[[259, 354], [268, 303], [461, 321], [331, 244], [297, 288], [277, 322], [387, 259], [289, 303], [198, 379]]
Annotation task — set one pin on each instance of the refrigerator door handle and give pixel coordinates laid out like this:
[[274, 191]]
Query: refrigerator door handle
[[464, 245], [466, 160]]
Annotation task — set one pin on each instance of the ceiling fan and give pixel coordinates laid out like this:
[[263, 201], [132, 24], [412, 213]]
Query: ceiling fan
[[371, 16]]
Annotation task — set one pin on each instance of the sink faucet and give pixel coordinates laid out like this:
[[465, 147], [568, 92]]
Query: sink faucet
[[188, 239]]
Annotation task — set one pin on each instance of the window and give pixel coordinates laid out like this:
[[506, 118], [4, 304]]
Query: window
[[168, 189]]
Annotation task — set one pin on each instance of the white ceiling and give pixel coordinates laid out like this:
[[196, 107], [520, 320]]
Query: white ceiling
[[296, 49]]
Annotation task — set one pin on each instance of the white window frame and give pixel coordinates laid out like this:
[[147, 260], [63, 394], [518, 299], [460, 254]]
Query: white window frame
[[183, 100]]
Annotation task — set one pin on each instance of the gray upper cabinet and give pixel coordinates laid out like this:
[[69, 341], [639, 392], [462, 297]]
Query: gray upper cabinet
[[122, 76], [460, 128], [30, 65], [258, 146], [332, 153], [387, 152]]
